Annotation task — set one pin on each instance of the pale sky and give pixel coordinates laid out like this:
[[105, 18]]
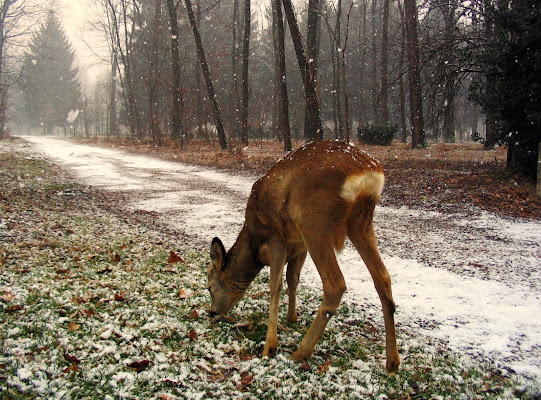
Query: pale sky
[[74, 15]]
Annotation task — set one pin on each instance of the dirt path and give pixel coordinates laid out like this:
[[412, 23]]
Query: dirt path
[[469, 279]]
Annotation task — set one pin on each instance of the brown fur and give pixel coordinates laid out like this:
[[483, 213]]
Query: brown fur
[[308, 202]]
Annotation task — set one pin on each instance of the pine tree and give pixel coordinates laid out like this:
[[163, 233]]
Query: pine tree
[[511, 63], [49, 79]]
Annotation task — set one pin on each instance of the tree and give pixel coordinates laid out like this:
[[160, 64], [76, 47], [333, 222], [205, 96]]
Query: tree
[[414, 75], [206, 75], [49, 80], [280, 74], [511, 63], [175, 66], [312, 125], [245, 58], [17, 17]]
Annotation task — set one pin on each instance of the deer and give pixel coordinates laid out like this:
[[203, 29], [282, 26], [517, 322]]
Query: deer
[[308, 202]]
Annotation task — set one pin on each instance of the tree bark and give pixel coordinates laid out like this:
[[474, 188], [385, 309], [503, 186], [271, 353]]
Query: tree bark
[[113, 125], [362, 68], [449, 89], [175, 67], [337, 73], [414, 75], [245, 57], [283, 101], [206, 75], [312, 124], [401, 88], [385, 64], [312, 49]]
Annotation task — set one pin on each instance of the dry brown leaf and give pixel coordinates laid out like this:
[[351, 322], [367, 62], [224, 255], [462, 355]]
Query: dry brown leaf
[[8, 297], [324, 367], [246, 379], [184, 294], [245, 325], [165, 396], [72, 326], [71, 359], [194, 314], [140, 365], [120, 296], [192, 335], [174, 258]]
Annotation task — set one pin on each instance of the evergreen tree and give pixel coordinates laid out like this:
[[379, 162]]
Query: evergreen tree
[[49, 80], [511, 62]]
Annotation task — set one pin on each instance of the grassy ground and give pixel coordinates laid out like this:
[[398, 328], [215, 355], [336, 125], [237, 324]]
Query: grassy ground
[[95, 305]]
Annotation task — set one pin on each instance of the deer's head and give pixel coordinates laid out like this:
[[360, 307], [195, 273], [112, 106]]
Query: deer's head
[[225, 292]]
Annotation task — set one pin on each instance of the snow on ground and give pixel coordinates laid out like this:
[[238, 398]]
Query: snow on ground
[[471, 280]]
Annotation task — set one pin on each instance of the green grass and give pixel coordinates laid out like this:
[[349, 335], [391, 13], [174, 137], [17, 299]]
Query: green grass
[[85, 294]]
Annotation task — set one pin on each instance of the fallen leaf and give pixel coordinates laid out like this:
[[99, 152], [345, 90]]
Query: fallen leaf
[[305, 366], [192, 335], [105, 271], [14, 308], [184, 294], [73, 367], [72, 326], [71, 359], [246, 379], [165, 396], [120, 296], [140, 365], [324, 367], [116, 258], [194, 314], [8, 297], [174, 258], [245, 325]]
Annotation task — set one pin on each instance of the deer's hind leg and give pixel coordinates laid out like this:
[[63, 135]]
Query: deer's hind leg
[[334, 286], [361, 234]]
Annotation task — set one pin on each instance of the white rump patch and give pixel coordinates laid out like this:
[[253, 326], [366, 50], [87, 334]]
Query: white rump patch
[[367, 184]]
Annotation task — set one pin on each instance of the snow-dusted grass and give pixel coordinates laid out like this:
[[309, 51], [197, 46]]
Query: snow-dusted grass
[[91, 307]]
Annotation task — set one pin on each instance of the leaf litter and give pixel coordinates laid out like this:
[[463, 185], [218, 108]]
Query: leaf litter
[[80, 321]]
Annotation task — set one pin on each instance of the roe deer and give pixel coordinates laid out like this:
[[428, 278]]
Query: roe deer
[[308, 202]]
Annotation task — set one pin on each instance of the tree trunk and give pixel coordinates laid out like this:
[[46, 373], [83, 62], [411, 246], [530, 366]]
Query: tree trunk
[[401, 88], [206, 75], [312, 49], [175, 67], [337, 74], [376, 114], [449, 89], [414, 75], [234, 70], [490, 124], [201, 113], [385, 64], [113, 125], [313, 129], [245, 57], [283, 101], [362, 63]]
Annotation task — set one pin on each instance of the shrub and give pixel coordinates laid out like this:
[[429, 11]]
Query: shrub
[[377, 134]]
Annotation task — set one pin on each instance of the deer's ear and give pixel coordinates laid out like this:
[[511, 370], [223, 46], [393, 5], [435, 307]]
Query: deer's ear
[[217, 253]]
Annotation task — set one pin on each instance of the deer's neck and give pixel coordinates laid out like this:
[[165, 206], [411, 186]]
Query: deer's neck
[[245, 264]]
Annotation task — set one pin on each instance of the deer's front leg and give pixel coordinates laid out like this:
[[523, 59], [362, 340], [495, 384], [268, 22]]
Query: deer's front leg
[[278, 253]]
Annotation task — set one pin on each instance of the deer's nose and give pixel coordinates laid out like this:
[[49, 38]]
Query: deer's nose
[[212, 314]]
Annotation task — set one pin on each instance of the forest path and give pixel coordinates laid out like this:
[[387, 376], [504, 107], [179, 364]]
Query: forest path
[[471, 280]]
